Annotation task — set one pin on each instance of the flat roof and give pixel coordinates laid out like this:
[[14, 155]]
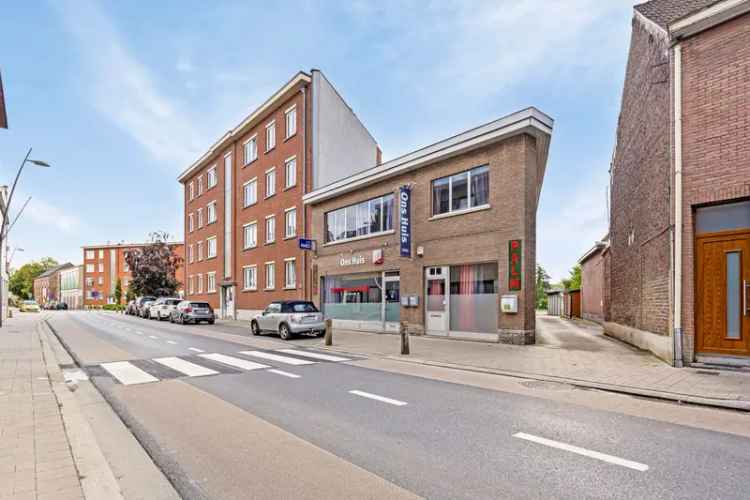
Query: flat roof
[[121, 245], [529, 120]]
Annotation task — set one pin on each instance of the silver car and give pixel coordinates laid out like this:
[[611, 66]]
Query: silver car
[[289, 317], [163, 307]]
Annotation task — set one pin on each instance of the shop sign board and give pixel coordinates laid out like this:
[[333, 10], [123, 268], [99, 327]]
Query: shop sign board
[[352, 260], [404, 204], [515, 256]]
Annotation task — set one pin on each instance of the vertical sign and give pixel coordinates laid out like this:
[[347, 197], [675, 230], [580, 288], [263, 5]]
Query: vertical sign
[[515, 256], [404, 206]]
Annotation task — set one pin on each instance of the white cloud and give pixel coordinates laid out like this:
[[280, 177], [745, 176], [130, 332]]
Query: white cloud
[[44, 214], [123, 89], [184, 65]]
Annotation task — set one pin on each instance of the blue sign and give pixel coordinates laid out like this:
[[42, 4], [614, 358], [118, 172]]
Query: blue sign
[[306, 244], [404, 208]]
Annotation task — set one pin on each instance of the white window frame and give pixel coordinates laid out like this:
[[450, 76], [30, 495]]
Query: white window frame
[[245, 157], [290, 285], [200, 217], [245, 202], [200, 283], [209, 255], [191, 256], [244, 235], [100, 280], [101, 253], [200, 185], [90, 254], [270, 284], [293, 212], [191, 222], [191, 190], [211, 282], [211, 209], [211, 178], [290, 180], [290, 121], [254, 284], [270, 135], [90, 268], [271, 186], [101, 267], [270, 235], [200, 250]]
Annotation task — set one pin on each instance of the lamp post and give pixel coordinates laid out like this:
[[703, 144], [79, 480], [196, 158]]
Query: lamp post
[[5, 227]]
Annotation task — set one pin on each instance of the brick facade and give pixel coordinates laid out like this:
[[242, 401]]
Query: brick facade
[[46, 287], [592, 284]]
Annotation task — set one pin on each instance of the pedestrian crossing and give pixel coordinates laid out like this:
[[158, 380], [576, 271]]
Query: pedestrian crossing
[[203, 364]]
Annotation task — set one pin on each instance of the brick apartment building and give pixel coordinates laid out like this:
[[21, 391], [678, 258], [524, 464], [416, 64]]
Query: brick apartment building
[[443, 238], [103, 265], [243, 198], [679, 256], [47, 284]]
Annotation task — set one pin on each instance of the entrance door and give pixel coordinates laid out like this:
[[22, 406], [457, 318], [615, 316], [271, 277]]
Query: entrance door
[[723, 277], [391, 300], [227, 302], [437, 309]]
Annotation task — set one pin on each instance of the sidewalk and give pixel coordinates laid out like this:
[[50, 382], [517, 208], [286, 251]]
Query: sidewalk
[[573, 352]]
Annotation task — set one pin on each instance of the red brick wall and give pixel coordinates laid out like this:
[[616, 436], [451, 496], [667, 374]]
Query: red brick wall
[[592, 288], [640, 192], [716, 135]]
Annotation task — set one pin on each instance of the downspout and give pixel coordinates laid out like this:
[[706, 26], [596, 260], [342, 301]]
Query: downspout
[[678, 361], [306, 296]]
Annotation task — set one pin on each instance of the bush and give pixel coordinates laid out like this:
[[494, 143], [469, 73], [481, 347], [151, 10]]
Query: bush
[[113, 307]]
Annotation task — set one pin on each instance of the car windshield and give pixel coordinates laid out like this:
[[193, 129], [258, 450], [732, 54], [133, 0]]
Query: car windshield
[[301, 307], [173, 302], [200, 304], [29, 302]]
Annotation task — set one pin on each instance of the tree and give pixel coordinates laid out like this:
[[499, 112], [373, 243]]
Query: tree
[[129, 295], [21, 282], [574, 282], [542, 285], [118, 291], [154, 268]]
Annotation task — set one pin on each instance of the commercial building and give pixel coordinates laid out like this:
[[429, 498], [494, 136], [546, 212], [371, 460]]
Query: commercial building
[[243, 198], [71, 287], [103, 265], [47, 284], [442, 238], [680, 189]]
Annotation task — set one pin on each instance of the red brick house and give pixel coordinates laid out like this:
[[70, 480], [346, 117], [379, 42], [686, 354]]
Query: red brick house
[[593, 269], [679, 255]]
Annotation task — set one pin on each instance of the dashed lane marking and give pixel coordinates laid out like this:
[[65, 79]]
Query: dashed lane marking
[[284, 374], [171, 342], [153, 337], [195, 349]]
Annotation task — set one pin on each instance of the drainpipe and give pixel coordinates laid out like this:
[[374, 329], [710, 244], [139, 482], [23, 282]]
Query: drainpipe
[[306, 296], [677, 336]]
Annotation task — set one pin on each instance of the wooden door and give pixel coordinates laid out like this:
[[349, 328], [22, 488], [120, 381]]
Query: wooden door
[[723, 276]]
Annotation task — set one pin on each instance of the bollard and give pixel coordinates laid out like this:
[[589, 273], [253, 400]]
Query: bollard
[[329, 332], [404, 338]]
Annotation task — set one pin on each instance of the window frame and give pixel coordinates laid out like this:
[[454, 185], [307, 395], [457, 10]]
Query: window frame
[[271, 264], [271, 171], [287, 285], [208, 247], [245, 285], [245, 204], [383, 217], [287, 212], [245, 246], [287, 114], [209, 276], [211, 173], [191, 222], [199, 212], [272, 218], [200, 251], [254, 139], [469, 208], [287, 162], [209, 219], [200, 184], [270, 127]]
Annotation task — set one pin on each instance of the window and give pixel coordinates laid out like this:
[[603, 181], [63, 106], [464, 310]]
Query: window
[[211, 177], [271, 136], [211, 282], [191, 289], [250, 150], [250, 278], [200, 283], [200, 217], [270, 182], [101, 267], [90, 254], [200, 250], [190, 253], [211, 212], [366, 218], [250, 190], [89, 268], [270, 229], [89, 282], [101, 254], [290, 274], [270, 275], [125, 268], [191, 222], [290, 172], [200, 185], [101, 280], [290, 223], [211, 251], [461, 191], [191, 189], [250, 235], [290, 118]]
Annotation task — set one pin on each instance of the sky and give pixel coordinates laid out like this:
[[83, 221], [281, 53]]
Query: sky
[[120, 97]]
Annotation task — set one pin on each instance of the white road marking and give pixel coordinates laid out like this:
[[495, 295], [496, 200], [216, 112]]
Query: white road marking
[[276, 357], [186, 367], [171, 342], [394, 402], [314, 355], [583, 451], [284, 374], [139, 332], [153, 337], [128, 373], [232, 361], [195, 349]]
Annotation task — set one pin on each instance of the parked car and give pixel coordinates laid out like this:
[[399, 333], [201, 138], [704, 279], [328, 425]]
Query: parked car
[[145, 309], [289, 317], [139, 304], [29, 306], [163, 307], [50, 306], [189, 311], [62, 306], [130, 308]]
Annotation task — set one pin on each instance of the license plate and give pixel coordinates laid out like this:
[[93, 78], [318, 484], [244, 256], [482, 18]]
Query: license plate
[[309, 319]]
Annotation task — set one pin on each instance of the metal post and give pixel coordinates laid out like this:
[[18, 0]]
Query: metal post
[[329, 332], [404, 331]]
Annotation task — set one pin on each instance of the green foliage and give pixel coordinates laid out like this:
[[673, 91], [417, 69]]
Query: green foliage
[[21, 282], [154, 268], [118, 291], [129, 295], [113, 307], [542, 285], [574, 281]]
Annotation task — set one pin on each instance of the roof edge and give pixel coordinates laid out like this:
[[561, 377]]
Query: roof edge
[[707, 18]]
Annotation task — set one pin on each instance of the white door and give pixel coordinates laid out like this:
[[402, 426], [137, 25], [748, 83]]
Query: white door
[[437, 296], [227, 302]]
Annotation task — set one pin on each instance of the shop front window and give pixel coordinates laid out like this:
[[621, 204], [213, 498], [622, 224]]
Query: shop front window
[[473, 298], [353, 297]]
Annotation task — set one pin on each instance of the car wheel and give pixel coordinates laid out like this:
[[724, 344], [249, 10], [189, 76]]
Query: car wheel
[[284, 332], [210, 322], [171, 318], [254, 328]]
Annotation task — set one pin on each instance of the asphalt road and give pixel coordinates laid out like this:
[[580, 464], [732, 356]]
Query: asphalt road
[[432, 438]]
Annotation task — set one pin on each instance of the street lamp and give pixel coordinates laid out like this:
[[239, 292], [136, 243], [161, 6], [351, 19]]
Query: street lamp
[[4, 228]]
